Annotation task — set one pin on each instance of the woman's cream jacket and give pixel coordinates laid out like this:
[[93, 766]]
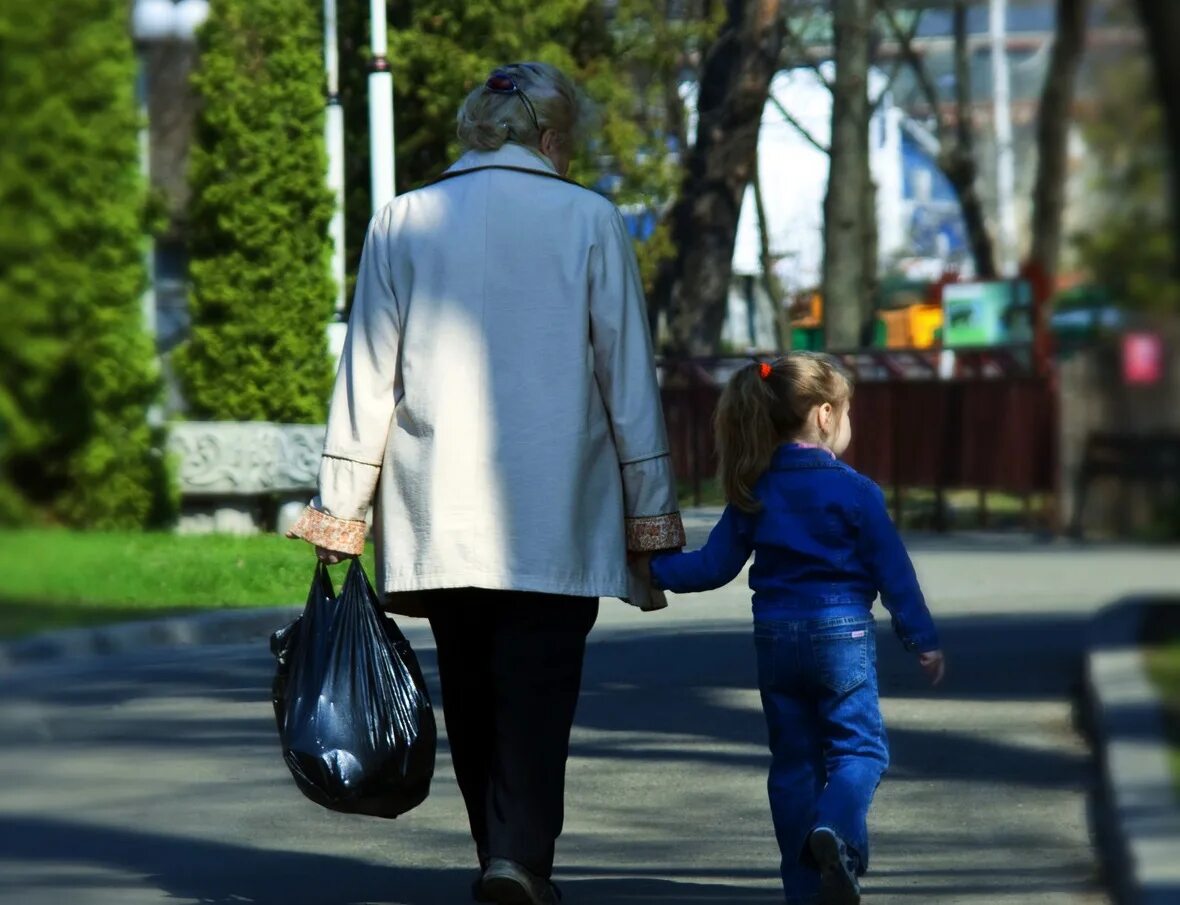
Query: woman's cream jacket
[[497, 400]]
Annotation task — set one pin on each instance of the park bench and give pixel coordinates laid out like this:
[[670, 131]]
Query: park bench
[[1149, 460], [244, 477]]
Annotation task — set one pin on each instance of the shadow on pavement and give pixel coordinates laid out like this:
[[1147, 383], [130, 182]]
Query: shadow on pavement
[[223, 874], [668, 687], [685, 696]]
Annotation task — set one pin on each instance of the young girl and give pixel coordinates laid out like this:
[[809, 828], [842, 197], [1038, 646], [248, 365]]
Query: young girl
[[824, 547]]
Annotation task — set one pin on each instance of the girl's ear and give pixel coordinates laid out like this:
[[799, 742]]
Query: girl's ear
[[824, 415]]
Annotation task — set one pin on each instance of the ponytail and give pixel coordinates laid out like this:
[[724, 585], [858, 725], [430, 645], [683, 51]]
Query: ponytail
[[748, 432]]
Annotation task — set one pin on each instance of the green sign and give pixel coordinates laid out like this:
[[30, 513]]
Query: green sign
[[987, 314]]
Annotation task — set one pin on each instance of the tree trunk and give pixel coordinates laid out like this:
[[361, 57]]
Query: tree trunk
[[872, 244], [1053, 135], [959, 163], [770, 280], [1161, 24], [844, 205], [960, 168], [734, 85], [872, 232]]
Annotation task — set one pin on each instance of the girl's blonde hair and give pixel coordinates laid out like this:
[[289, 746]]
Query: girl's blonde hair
[[488, 119], [758, 414]]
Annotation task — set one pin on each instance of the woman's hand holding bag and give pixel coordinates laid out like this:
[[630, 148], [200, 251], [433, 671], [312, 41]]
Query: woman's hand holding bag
[[353, 711]]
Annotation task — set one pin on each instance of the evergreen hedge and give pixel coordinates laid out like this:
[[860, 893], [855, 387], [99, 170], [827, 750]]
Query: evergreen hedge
[[78, 372], [262, 292]]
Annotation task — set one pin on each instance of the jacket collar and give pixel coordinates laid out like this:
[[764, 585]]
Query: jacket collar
[[789, 456], [510, 155]]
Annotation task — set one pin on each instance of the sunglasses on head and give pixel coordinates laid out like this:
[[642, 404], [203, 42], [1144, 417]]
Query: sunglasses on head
[[503, 83]]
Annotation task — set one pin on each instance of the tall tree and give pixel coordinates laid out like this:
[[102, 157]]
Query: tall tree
[[1161, 24], [78, 374], [846, 240], [1055, 117], [262, 292], [734, 85], [850, 250], [771, 284], [957, 157]]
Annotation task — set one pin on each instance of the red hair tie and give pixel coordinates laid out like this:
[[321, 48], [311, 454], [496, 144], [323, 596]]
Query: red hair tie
[[764, 370]]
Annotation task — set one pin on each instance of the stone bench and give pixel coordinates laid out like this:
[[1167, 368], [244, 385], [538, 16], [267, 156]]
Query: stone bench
[[244, 477]]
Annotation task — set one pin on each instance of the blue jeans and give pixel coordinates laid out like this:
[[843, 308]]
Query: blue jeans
[[818, 679]]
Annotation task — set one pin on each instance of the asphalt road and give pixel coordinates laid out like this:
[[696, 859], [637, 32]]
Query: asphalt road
[[156, 777]]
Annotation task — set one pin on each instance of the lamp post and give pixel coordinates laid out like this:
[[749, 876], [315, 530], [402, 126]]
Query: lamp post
[[154, 24], [334, 142], [381, 110]]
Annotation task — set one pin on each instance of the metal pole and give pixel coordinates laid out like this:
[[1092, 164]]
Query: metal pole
[[1005, 162], [148, 300], [334, 141], [381, 111]]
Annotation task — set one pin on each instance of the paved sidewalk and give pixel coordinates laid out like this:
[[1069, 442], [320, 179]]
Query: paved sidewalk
[[155, 777]]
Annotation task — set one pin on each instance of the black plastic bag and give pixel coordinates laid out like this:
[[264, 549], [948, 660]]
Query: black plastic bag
[[353, 711]]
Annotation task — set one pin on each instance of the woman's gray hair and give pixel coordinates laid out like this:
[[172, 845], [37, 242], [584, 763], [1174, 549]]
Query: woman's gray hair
[[490, 118]]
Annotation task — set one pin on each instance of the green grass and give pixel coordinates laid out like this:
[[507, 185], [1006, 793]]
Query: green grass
[[56, 579], [1163, 665]]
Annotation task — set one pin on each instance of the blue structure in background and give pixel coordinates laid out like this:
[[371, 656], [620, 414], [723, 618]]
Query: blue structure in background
[[641, 223], [935, 226], [938, 23]]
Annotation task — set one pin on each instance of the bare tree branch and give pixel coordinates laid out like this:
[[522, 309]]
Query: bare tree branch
[[894, 72], [800, 55], [799, 127], [964, 123], [770, 280], [906, 42], [898, 61]]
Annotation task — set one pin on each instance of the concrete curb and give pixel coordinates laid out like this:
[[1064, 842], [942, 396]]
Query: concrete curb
[[221, 627], [1126, 717]]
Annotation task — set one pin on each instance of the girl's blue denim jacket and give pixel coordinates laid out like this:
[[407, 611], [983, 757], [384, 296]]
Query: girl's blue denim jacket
[[823, 544]]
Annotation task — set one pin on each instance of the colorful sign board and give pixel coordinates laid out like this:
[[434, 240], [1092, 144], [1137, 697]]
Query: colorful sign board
[[1143, 359], [987, 314]]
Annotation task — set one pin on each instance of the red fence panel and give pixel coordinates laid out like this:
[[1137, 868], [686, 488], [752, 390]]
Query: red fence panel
[[988, 434]]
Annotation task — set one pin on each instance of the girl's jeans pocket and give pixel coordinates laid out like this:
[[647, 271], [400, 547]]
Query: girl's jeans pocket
[[843, 656]]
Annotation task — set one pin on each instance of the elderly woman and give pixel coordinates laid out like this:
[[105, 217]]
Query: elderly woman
[[497, 402]]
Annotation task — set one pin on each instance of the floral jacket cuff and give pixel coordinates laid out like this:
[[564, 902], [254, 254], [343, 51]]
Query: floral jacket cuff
[[331, 533], [649, 534]]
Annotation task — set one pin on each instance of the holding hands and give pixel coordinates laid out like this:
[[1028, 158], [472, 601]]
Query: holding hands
[[643, 593]]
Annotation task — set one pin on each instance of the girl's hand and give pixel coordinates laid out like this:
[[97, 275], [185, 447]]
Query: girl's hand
[[332, 557], [934, 664]]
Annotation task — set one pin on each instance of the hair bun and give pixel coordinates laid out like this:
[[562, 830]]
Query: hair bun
[[501, 83]]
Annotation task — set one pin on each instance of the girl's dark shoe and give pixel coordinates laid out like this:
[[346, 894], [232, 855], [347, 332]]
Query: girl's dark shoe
[[837, 868], [507, 883]]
